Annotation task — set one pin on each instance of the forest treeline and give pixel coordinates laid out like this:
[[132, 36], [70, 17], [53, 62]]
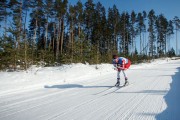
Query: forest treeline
[[55, 32]]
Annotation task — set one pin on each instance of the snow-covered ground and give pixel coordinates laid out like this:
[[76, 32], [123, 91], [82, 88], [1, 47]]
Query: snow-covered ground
[[85, 92]]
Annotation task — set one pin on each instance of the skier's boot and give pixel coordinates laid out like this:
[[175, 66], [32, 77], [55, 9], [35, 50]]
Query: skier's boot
[[126, 82], [118, 82]]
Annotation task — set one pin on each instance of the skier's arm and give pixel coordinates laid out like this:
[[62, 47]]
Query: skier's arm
[[114, 65]]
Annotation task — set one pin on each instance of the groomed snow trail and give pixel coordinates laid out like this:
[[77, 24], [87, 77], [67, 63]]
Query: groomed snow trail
[[151, 95]]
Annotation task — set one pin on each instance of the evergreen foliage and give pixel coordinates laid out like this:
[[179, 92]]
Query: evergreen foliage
[[55, 32]]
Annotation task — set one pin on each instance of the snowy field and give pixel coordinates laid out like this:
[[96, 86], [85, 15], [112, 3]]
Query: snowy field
[[85, 92]]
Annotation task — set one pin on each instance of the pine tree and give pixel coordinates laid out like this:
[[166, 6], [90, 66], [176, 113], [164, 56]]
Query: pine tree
[[133, 31], [125, 33], [151, 30], [79, 9], [161, 26], [170, 32], [16, 7], [36, 28], [60, 11], [89, 19], [16, 28], [48, 6], [25, 14], [141, 28], [72, 22], [113, 24]]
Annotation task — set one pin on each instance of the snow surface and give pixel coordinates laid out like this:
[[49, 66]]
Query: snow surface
[[85, 92]]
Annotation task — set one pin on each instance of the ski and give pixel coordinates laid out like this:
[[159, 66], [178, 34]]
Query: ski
[[114, 89], [117, 88], [104, 90]]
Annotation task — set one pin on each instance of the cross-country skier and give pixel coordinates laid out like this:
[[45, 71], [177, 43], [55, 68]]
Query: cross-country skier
[[121, 64]]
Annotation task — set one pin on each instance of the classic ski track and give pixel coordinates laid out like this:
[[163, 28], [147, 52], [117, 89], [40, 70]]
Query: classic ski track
[[79, 105], [138, 102], [134, 107], [139, 84], [41, 97], [46, 95], [154, 109], [104, 90], [75, 107], [51, 101], [35, 106], [107, 106], [90, 101], [115, 99], [118, 88]]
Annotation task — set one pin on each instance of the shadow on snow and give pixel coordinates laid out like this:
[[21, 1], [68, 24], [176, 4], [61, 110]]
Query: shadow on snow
[[65, 86], [172, 100], [150, 92]]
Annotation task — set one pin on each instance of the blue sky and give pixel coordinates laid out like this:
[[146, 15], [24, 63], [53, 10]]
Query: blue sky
[[169, 8]]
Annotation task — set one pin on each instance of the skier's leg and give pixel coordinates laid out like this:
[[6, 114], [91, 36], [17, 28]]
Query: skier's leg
[[118, 74], [124, 74], [126, 79], [118, 78]]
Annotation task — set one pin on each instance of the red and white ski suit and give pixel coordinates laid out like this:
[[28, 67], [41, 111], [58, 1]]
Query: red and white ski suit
[[121, 64]]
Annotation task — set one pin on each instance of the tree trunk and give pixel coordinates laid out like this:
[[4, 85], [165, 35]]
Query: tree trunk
[[25, 44], [62, 35], [46, 35], [132, 47], [72, 41], [58, 40], [79, 36], [15, 57], [124, 36], [34, 41], [114, 46], [54, 26]]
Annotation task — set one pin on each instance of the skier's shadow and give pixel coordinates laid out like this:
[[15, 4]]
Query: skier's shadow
[[63, 86], [66, 86]]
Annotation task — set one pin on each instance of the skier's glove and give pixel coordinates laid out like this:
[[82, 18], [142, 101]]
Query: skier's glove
[[115, 68]]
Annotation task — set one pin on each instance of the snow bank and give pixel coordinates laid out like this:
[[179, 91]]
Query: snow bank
[[38, 77], [152, 63]]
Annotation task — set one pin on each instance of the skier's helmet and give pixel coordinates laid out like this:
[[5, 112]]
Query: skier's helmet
[[114, 56]]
